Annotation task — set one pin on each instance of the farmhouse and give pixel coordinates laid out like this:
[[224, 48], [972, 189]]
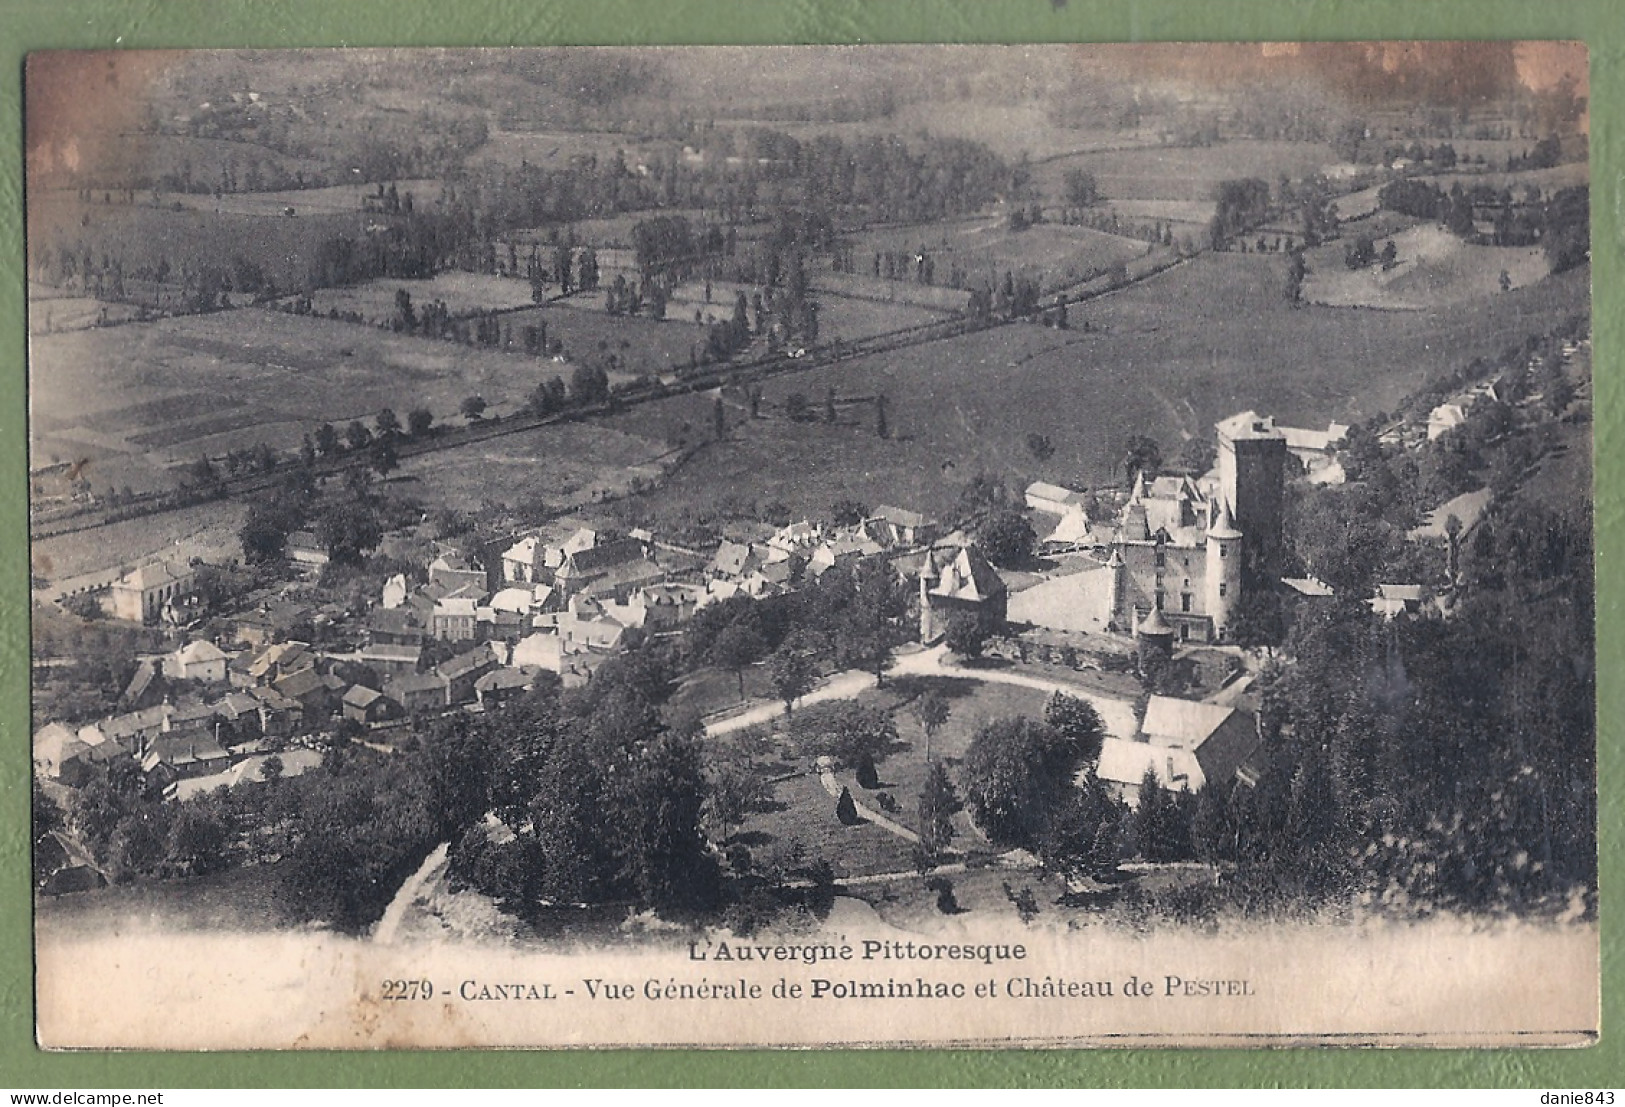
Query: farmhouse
[[306, 549], [1186, 745], [142, 594], [1052, 499]]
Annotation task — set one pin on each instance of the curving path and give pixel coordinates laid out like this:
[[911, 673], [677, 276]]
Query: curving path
[[1116, 715]]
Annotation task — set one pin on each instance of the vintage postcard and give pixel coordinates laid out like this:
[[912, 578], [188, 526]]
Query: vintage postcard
[[790, 546]]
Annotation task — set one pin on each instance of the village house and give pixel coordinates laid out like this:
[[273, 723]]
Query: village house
[[419, 693], [394, 626], [500, 685], [523, 562], [173, 757], [903, 527], [142, 595], [620, 564], [733, 560], [368, 705], [454, 619], [279, 715], [197, 660], [389, 661], [278, 660], [453, 571], [307, 688], [461, 672], [539, 651], [248, 771], [395, 592], [147, 686], [239, 715]]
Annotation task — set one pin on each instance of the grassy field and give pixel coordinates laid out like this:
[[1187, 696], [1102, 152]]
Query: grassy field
[[551, 465], [640, 345], [143, 235], [152, 395], [334, 200], [1433, 268], [462, 293], [801, 812], [1185, 173], [971, 705], [985, 248], [1167, 358]]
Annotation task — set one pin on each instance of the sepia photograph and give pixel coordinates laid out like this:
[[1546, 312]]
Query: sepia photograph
[[791, 546]]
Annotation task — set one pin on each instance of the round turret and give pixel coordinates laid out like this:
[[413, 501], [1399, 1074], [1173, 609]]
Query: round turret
[[1223, 571]]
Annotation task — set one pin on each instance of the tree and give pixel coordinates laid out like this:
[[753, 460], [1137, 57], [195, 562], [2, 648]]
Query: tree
[[882, 427], [658, 816], [846, 810], [719, 420], [796, 407], [1006, 536], [348, 531], [357, 436], [932, 710], [327, 440], [419, 421], [938, 804], [1197, 455], [1296, 270], [847, 732], [966, 634], [1040, 446], [829, 405], [791, 672], [387, 422], [265, 530], [1141, 455], [472, 408], [1016, 773], [738, 646], [1078, 722], [197, 840], [1080, 837], [734, 789], [1079, 189], [384, 458]]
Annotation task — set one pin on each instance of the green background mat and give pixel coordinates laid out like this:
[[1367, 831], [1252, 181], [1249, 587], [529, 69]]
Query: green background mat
[[27, 25]]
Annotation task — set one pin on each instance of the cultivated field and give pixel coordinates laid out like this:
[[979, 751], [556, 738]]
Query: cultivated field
[[1433, 268], [640, 345], [1167, 358], [147, 396]]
